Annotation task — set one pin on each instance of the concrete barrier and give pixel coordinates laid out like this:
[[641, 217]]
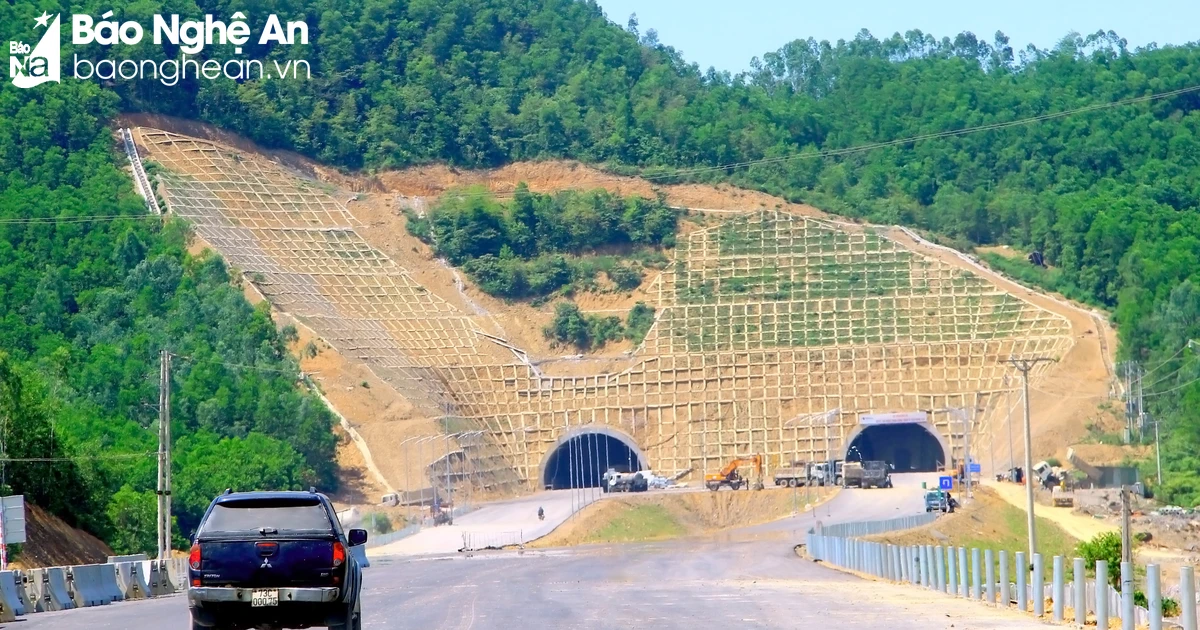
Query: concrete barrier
[[50, 585], [360, 554], [132, 581], [177, 572], [32, 585], [165, 585], [10, 595], [20, 591], [137, 557], [157, 579], [108, 583], [84, 583]]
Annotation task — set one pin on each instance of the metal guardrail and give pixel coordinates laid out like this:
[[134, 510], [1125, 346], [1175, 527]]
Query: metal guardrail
[[378, 540], [870, 528], [983, 575]]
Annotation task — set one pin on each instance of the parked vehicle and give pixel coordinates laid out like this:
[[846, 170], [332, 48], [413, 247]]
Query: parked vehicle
[[275, 559], [614, 481], [876, 474], [795, 475], [936, 500], [821, 476]]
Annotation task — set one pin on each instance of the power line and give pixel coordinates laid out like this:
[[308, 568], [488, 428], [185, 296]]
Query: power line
[[1173, 389], [76, 457], [75, 219], [241, 366]]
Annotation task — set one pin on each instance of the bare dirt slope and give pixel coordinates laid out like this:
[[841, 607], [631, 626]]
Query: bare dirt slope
[[54, 543]]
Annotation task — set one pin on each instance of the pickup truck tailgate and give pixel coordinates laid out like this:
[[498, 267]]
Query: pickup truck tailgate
[[276, 562]]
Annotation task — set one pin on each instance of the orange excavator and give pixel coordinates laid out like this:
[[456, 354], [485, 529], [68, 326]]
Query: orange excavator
[[729, 475]]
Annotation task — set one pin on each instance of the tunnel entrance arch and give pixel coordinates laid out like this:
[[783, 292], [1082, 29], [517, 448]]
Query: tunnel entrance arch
[[910, 447], [580, 457]]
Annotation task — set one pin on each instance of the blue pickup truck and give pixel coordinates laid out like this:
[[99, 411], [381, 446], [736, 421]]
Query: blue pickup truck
[[274, 560]]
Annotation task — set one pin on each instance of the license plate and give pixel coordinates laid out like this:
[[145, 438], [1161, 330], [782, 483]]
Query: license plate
[[264, 597]]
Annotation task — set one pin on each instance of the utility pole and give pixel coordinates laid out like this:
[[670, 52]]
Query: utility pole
[[1008, 403], [1157, 450], [1126, 529], [164, 455], [1025, 365]]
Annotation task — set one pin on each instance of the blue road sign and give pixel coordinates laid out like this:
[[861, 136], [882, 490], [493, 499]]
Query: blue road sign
[[976, 468], [946, 483]]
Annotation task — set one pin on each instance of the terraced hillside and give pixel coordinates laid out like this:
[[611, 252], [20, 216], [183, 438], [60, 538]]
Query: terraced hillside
[[768, 322]]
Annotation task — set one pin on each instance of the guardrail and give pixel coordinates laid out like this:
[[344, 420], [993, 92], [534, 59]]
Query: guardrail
[[983, 575]]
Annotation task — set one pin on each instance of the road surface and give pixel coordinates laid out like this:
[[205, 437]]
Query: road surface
[[748, 578], [504, 522]]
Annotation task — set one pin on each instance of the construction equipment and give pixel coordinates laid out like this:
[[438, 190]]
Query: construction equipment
[[852, 475], [729, 475], [876, 474], [795, 475], [1062, 497]]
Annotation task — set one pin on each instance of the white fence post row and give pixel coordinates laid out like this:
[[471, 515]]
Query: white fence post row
[[946, 569]]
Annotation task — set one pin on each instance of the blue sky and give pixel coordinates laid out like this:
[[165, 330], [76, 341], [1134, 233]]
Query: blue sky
[[727, 34]]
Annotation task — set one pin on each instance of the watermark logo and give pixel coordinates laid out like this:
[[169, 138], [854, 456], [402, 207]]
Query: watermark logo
[[30, 67]]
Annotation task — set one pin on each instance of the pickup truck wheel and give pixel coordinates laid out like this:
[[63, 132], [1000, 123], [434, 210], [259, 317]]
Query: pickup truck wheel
[[353, 620]]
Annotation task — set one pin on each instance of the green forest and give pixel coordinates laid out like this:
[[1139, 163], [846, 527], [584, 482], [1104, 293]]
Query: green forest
[[1109, 196], [91, 289]]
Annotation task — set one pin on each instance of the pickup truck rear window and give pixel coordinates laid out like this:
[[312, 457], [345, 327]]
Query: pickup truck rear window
[[252, 515]]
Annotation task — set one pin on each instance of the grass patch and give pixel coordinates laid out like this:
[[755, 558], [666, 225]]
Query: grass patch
[[638, 523], [992, 523]]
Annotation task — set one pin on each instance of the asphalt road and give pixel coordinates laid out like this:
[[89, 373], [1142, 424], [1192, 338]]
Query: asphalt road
[[748, 578], [502, 522]]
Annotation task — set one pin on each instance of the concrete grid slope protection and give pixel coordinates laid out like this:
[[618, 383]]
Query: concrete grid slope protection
[[765, 321]]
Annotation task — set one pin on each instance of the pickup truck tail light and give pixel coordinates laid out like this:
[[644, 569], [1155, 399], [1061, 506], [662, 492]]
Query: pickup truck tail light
[[339, 555], [194, 557]]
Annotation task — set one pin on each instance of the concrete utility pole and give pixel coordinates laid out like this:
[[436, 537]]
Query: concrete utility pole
[[1126, 526], [1025, 365], [164, 455]]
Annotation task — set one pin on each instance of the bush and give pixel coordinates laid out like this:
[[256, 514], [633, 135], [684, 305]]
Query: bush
[[626, 277], [1107, 547], [1053, 462], [638, 322], [377, 523]]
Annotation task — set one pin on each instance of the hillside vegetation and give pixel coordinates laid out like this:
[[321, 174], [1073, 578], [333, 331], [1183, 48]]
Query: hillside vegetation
[[91, 289], [1110, 197]]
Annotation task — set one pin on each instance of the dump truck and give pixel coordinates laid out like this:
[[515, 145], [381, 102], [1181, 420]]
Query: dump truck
[[729, 476], [852, 475], [876, 474], [822, 477], [792, 476], [614, 481]]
